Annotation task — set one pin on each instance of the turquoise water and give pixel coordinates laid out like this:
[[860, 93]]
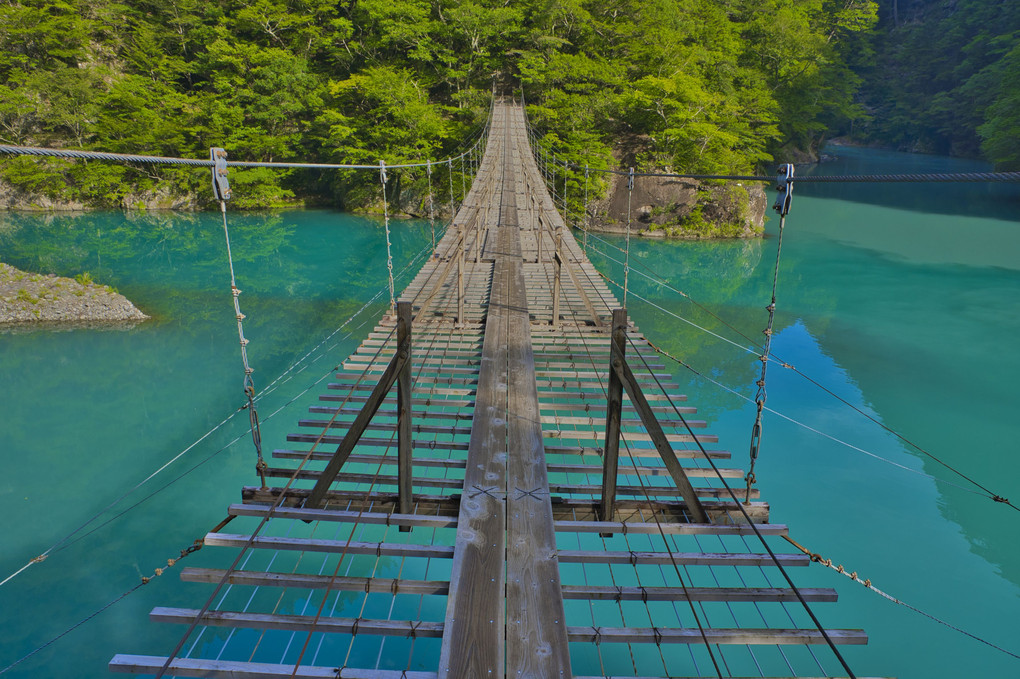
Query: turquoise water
[[903, 300]]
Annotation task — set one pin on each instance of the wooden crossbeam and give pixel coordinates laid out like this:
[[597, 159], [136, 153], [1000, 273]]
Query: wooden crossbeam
[[625, 379], [398, 370]]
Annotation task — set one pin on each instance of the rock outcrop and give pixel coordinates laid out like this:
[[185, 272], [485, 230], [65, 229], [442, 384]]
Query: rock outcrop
[[27, 298], [682, 208]]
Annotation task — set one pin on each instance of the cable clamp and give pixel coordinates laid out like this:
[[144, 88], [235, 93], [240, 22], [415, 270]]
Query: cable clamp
[[999, 498], [657, 635], [784, 185], [220, 185]]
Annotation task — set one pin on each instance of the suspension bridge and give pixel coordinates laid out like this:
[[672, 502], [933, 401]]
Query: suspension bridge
[[501, 480]]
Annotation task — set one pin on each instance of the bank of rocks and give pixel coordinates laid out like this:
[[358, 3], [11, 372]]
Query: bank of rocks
[[27, 298]]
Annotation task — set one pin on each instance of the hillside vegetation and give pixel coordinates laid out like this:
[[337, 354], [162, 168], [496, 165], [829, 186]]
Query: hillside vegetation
[[702, 85], [945, 78]]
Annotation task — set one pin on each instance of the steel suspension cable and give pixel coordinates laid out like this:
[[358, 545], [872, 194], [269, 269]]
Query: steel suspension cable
[[248, 384], [747, 518], [783, 207], [386, 223], [773, 358], [626, 263]]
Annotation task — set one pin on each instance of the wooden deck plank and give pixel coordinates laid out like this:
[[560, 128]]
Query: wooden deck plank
[[473, 645], [536, 639]]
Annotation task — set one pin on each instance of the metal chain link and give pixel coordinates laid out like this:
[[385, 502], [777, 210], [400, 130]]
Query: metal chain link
[[782, 206]]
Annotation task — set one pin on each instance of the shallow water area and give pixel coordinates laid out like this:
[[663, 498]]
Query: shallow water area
[[899, 308]]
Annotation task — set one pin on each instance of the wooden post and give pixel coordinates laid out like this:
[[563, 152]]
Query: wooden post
[[676, 471], [556, 284], [357, 428], [405, 469], [611, 454], [539, 229], [460, 287]]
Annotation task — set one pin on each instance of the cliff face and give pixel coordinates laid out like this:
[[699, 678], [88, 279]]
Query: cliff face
[[682, 208]]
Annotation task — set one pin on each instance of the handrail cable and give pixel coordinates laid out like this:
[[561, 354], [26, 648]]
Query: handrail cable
[[70, 538], [747, 517], [661, 280], [817, 558], [277, 502], [648, 500], [357, 520]]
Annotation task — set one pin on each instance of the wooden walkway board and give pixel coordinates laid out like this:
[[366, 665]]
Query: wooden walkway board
[[502, 564]]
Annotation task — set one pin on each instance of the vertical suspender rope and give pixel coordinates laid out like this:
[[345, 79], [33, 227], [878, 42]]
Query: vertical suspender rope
[[782, 206], [586, 224], [221, 188], [626, 258], [386, 223], [463, 186], [432, 206], [453, 208], [566, 178]]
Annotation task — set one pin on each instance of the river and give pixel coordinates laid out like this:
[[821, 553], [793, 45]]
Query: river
[[903, 300]]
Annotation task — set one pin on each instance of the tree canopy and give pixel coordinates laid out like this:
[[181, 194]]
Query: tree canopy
[[704, 85], [945, 78]]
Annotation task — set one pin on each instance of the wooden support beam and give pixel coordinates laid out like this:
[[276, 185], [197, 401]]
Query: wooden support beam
[[300, 623], [346, 446], [558, 265], [235, 669], [334, 583], [613, 415], [715, 635], [682, 558], [729, 594], [625, 375], [404, 443], [460, 288], [348, 547]]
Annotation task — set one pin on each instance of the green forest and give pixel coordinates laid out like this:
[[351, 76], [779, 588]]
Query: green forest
[[688, 85], [944, 77]]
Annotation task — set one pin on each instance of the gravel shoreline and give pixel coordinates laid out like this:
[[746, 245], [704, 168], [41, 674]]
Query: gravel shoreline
[[33, 300]]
